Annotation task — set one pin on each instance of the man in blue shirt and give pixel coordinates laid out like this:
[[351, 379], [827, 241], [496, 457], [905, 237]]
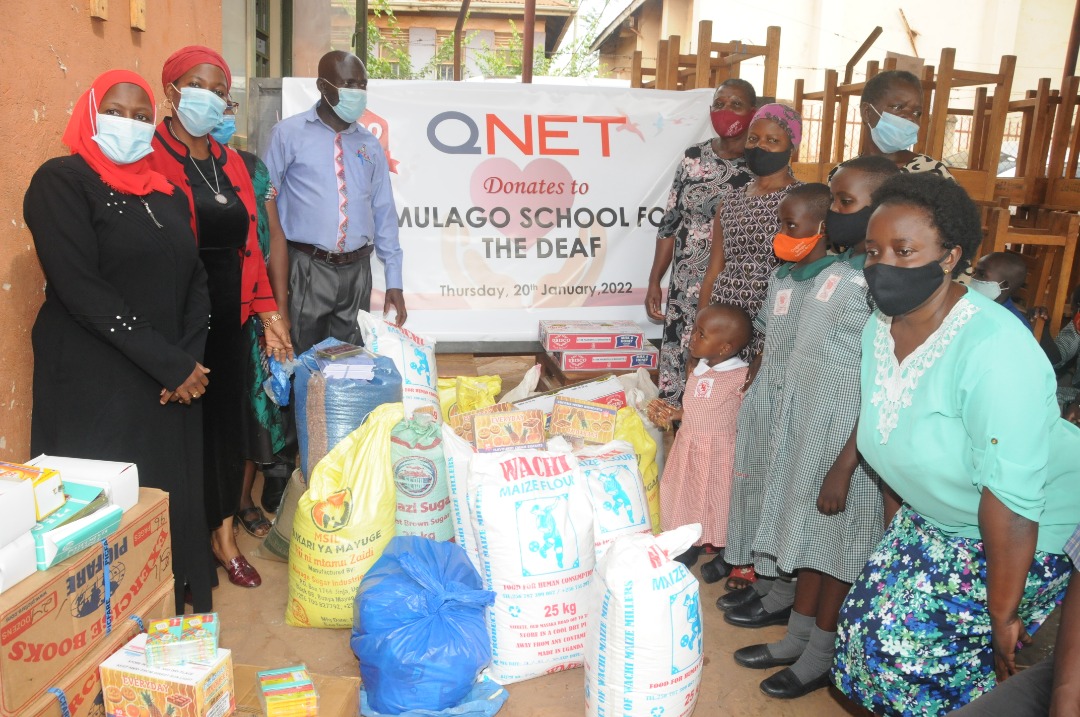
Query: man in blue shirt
[[334, 206]]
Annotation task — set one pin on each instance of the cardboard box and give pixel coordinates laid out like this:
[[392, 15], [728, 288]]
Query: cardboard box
[[589, 421], [194, 689], [17, 513], [81, 684], [17, 561], [120, 481], [590, 335], [570, 360], [510, 431], [53, 619], [464, 423], [338, 696], [46, 483], [606, 390]]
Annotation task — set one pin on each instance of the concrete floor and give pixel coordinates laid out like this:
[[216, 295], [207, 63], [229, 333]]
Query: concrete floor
[[253, 626]]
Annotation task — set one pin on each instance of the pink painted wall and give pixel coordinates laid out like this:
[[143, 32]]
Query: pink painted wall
[[50, 51]]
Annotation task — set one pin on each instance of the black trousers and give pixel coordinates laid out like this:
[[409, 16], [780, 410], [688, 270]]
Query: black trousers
[[325, 298]]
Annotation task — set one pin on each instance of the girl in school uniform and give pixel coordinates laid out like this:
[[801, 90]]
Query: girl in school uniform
[[799, 244], [822, 509], [696, 485]]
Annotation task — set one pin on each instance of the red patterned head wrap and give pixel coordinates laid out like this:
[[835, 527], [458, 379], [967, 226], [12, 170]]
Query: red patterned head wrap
[[788, 119], [136, 178], [185, 58]]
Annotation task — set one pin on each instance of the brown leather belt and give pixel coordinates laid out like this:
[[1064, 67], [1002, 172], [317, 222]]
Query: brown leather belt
[[334, 258]]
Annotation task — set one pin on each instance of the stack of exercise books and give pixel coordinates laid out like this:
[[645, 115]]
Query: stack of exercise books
[[288, 692]]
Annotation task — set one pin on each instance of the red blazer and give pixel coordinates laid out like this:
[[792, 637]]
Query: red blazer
[[170, 157]]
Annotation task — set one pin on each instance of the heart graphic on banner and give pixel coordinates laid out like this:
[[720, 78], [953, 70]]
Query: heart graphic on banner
[[495, 183]]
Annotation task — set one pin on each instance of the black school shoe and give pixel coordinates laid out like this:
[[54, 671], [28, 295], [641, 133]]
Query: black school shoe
[[784, 685], [689, 557], [757, 657], [735, 598], [752, 614], [715, 570]]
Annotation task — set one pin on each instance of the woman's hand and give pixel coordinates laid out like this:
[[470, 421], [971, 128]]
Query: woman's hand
[[193, 387], [276, 334], [654, 302], [832, 498], [1005, 636], [662, 413]]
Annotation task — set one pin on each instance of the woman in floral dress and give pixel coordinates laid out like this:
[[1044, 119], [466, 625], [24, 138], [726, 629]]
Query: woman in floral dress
[[709, 171], [741, 258], [959, 417]]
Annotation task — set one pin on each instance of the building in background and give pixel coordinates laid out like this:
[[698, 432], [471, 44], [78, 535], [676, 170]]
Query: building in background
[[416, 36]]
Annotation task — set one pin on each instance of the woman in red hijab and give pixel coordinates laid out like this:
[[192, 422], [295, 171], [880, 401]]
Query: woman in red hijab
[[118, 342], [215, 181]]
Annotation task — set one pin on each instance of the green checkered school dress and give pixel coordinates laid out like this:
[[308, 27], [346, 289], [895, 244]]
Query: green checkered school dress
[[815, 416], [777, 320]]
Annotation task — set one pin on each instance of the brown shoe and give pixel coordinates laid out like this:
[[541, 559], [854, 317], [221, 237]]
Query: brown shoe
[[241, 572]]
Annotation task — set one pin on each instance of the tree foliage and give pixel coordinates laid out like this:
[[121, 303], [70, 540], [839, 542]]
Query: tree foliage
[[390, 56]]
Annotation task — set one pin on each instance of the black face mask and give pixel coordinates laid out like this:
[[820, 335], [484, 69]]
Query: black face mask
[[847, 230], [900, 290], [763, 163]]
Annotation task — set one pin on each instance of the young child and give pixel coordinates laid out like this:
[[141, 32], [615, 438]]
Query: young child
[[998, 276], [696, 484], [822, 509], [799, 244]]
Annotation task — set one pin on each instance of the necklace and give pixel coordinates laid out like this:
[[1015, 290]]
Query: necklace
[[216, 186]]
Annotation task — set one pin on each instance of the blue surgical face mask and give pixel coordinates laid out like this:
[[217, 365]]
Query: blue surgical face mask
[[351, 103], [990, 289], [123, 140], [893, 133], [225, 129], [199, 110]]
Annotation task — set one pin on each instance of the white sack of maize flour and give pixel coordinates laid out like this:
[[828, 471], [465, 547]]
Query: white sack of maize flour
[[533, 526], [643, 652], [616, 490]]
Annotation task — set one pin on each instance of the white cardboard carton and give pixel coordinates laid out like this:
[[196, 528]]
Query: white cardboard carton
[[120, 481], [17, 561], [17, 512]]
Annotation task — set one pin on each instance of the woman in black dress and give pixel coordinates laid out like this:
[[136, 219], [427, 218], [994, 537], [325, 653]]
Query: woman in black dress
[[197, 81], [119, 339]]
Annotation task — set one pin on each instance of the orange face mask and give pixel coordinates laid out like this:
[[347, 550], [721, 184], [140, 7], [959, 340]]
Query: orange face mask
[[791, 249]]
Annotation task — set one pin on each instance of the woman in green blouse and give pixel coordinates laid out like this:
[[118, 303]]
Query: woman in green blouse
[[959, 417]]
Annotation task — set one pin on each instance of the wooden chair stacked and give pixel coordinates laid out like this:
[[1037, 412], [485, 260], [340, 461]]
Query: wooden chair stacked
[[711, 64]]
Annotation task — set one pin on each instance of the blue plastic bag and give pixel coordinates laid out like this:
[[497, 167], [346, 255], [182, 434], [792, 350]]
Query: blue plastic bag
[[279, 385], [337, 407], [485, 699], [419, 629]]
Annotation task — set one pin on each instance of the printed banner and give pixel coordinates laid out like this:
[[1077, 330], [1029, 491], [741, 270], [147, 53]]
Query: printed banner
[[518, 203]]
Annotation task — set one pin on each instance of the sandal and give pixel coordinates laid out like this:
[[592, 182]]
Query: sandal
[[741, 577], [254, 521]]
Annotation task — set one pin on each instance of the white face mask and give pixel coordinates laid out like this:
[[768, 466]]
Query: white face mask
[[123, 140], [990, 289]]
